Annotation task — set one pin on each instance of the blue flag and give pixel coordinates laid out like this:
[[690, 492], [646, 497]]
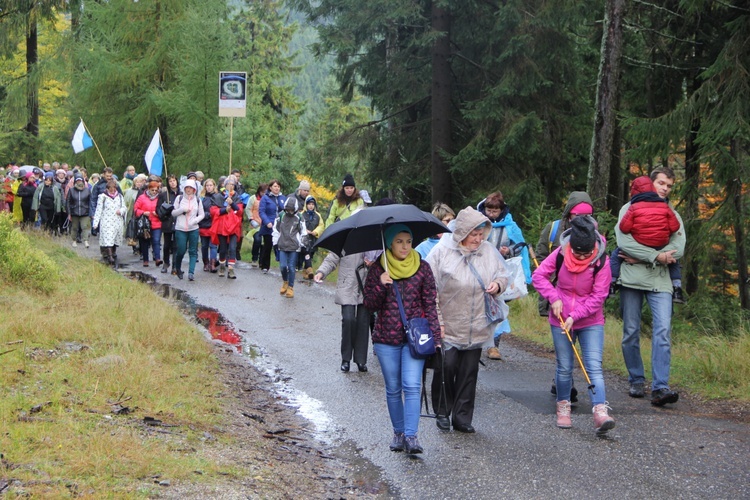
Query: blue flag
[[155, 155], [81, 139]]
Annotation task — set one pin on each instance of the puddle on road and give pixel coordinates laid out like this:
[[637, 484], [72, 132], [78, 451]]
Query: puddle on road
[[222, 329]]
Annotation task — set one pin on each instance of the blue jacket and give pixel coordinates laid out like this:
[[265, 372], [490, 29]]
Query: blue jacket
[[270, 207]]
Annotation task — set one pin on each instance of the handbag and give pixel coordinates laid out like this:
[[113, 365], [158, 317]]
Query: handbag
[[143, 227], [517, 284], [418, 334], [495, 309]]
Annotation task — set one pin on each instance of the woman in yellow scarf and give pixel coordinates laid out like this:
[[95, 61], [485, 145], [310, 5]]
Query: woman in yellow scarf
[[402, 372]]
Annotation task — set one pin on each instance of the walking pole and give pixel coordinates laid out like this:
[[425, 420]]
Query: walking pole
[[585, 373], [92, 140]]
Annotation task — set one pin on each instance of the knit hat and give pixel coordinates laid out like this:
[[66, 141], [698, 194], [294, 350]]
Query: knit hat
[[582, 209], [191, 174], [392, 231], [48, 175], [59, 171], [348, 180], [304, 185], [582, 234]]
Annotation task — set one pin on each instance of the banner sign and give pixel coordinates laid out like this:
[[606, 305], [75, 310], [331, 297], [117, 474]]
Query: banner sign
[[232, 93]]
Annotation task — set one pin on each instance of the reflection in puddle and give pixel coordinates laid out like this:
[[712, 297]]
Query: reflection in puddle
[[218, 327]]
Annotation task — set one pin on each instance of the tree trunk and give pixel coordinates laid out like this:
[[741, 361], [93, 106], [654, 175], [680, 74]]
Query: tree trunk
[[32, 102], [441, 106], [600, 157], [734, 194], [691, 211]]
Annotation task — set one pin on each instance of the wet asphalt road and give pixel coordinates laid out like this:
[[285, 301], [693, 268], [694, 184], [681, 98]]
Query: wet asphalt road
[[517, 451]]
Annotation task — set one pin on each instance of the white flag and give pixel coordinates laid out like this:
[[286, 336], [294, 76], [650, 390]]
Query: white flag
[[81, 139], [155, 155]]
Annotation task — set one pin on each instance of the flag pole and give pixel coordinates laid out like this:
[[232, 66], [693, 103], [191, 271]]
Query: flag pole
[[94, 141], [164, 155]]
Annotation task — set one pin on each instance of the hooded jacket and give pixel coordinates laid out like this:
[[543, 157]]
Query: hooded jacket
[[288, 228], [270, 206], [188, 211], [582, 294], [460, 296], [544, 247], [505, 232], [78, 201], [649, 219], [348, 292], [313, 220]]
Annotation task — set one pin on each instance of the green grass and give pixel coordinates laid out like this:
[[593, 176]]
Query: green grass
[[709, 365], [87, 339]]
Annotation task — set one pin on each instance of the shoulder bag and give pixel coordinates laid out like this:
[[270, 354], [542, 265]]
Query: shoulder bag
[[495, 309], [418, 334]]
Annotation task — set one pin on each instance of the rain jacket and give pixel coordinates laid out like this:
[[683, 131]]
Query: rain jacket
[[647, 274], [146, 204], [111, 226], [78, 201], [460, 296], [226, 220], [505, 232], [348, 291], [270, 206], [339, 212], [582, 294], [418, 294], [99, 188], [188, 212], [208, 201], [288, 229]]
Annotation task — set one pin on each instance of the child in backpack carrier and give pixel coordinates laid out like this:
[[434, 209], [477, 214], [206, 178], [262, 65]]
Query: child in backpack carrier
[[651, 222], [287, 237]]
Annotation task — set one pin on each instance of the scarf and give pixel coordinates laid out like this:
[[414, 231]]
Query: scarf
[[112, 195], [150, 196], [578, 266], [400, 269]]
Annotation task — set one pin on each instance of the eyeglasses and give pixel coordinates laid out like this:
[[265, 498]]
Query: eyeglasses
[[583, 255]]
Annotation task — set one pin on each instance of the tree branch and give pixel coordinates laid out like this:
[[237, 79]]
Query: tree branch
[[638, 27], [657, 7], [644, 64]]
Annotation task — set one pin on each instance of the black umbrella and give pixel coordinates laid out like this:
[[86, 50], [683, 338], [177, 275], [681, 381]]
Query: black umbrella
[[363, 231]]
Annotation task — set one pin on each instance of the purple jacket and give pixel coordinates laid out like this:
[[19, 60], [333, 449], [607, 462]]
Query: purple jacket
[[418, 293], [582, 296]]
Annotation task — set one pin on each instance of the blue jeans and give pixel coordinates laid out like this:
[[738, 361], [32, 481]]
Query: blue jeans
[[591, 342], [403, 382], [208, 249], [631, 304], [154, 243], [186, 241], [288, 265]]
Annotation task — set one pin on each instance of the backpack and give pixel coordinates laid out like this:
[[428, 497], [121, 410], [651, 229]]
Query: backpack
[[544, 303]]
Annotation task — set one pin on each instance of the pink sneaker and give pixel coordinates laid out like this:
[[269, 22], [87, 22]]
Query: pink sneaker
[[602, 421], [563, 415]]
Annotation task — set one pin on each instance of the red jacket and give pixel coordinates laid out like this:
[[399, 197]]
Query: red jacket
[[649, 218], [225, 221], [146, 204]]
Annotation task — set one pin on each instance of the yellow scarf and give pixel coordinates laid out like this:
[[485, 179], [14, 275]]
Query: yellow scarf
[[400, 269]]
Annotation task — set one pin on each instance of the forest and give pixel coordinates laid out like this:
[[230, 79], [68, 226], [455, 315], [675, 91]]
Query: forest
[[423, 101]]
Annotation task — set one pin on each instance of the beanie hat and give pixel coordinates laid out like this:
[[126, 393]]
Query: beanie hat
[[582, 234], [48, 174], [348, 180], [582, 209], [304, 186], [392, 231], [191, 174], [59, 171]]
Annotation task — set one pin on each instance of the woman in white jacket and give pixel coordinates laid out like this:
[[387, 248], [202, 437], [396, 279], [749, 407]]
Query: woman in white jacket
[[188, 212]]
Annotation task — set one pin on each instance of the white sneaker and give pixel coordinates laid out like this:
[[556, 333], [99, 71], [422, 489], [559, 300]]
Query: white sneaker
[[86, 244], [75, 244]]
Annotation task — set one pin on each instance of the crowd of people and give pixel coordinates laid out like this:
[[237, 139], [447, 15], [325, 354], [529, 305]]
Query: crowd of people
[[450, 278]]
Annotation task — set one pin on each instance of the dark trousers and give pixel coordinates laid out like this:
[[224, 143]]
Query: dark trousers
[[168, 248], [228, 249], [355, 333], [265, 252], [459, 369], [47, 218], [257, 241]]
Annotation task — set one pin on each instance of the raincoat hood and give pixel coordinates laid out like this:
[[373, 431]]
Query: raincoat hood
[[466, 221], [575, 198]]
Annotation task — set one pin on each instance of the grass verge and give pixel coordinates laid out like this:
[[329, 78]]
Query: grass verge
[[75, 348]]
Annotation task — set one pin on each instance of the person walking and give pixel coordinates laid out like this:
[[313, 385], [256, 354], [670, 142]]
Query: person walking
[[109, 220], [48, 201], [402, 372], [226, 226], [210, 197], [466, 267], [164, 207], [253, 215], [314, 227], [576, 293], [25, 193], [270, 205], [288, 229], [145, 204], [346, 202], [78, 205], [644, 274], [188, 212]]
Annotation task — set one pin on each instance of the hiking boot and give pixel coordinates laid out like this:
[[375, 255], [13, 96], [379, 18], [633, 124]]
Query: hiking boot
[[661, 397], [86, 244], [174, 272], [284, 287], [563, 415], [397, 444], [213, 267], [230, 273], [602, 421], [636, 390], [289, 293], [222, 269], [309, 273], [494, 353], [179, 273], [206, 267], [412, 446], [677, 296], [254, 263], [164, 268]]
